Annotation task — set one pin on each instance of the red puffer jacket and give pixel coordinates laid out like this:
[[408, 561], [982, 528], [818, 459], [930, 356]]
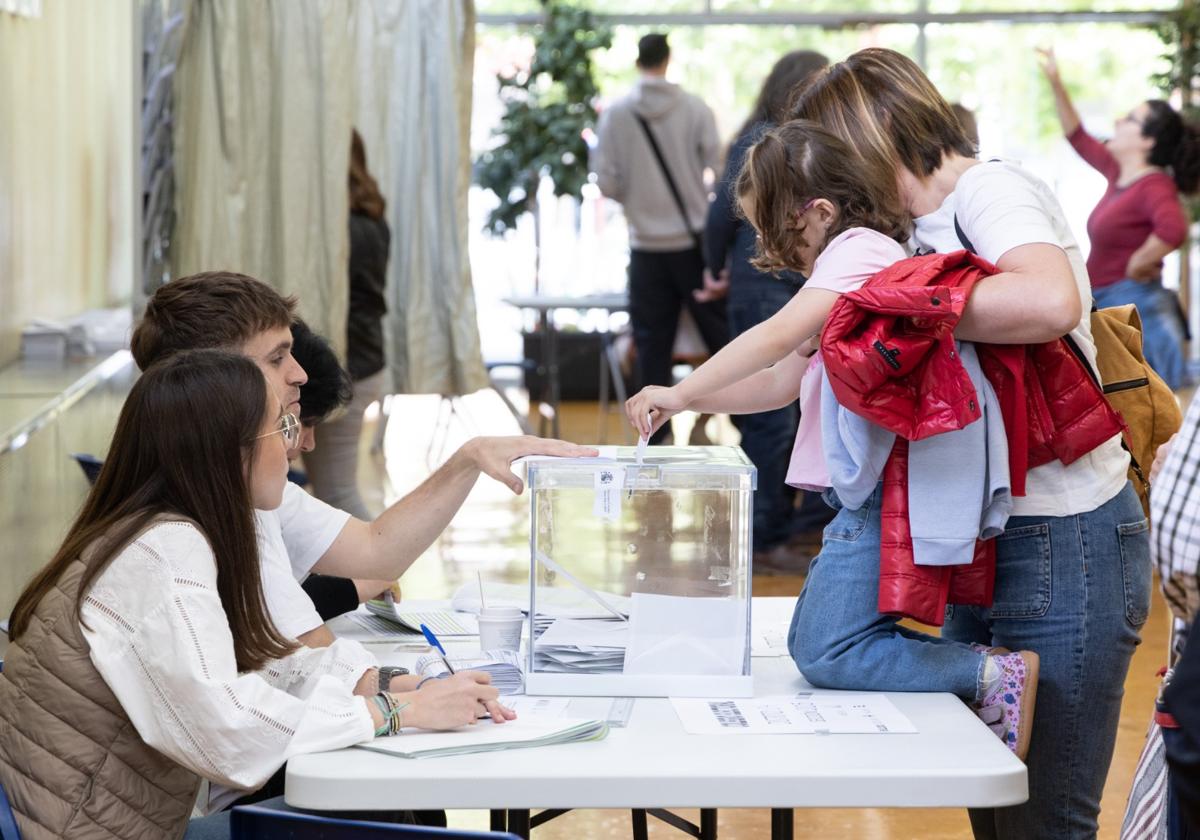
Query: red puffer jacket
[[890, 355]]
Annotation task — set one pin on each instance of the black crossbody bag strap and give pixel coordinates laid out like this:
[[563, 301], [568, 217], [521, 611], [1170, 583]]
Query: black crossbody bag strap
[[662, 164], [1075, 349]]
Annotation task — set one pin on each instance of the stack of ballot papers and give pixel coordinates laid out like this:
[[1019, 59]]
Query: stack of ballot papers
[[504, 667], [485, 736], [582, 646], [564, 602]]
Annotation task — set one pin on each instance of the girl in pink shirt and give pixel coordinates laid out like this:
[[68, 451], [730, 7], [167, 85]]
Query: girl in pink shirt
[[818, 209]]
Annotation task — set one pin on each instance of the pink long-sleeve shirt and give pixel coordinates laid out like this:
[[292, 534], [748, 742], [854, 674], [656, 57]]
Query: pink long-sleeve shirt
[[1126, 216]]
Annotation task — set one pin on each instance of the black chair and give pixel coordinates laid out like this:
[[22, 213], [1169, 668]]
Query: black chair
[[8, 821], [254, 822]]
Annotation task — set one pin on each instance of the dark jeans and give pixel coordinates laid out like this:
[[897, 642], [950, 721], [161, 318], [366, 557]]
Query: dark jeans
[[660, 286], [767, 437]]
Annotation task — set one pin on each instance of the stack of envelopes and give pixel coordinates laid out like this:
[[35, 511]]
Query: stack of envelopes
[[582, 646]]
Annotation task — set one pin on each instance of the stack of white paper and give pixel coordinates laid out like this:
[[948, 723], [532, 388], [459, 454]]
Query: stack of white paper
[[582, 646], [504, 667], [485, 736], [555, 602]]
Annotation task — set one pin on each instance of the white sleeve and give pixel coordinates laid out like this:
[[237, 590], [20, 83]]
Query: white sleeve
[[1000, 209], [605, 163], [160, 639], [309, 527], [291, 609], [301, 673]]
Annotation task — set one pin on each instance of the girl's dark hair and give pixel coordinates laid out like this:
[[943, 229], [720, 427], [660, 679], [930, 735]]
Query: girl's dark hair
[[183, 447], [365, 197], [780, 86], [1176, 144], [328, 387], [800, 161]]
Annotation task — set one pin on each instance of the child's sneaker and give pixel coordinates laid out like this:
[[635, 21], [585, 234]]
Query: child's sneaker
[[1013, 695], [989, 650]]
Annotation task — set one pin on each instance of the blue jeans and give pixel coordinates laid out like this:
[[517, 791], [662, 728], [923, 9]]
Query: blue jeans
[[1162, 330], [1075, 589], [767, 437], [840, 640]]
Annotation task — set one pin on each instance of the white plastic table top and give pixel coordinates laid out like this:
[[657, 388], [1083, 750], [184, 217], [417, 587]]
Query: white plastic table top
[[953, 761]]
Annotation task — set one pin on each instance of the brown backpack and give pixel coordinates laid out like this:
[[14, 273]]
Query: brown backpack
[[1139, 395]]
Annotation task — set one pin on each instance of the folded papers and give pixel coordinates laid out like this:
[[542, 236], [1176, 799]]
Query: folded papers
[[486, 736]]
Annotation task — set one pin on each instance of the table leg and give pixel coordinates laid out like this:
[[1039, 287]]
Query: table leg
[[499, 820], [782, 826], [550, 356], [640, 830], [708, 824], [605, 338], [518, 822]]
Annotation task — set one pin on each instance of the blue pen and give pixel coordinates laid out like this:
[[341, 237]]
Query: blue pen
[[433, 640]]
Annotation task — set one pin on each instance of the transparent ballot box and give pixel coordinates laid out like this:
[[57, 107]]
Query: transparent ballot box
[[640, 573]]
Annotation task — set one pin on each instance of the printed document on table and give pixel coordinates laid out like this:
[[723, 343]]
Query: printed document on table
[[803, 713]]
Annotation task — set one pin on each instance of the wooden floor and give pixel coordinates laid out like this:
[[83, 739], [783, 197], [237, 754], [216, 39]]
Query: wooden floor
[[490, 535]]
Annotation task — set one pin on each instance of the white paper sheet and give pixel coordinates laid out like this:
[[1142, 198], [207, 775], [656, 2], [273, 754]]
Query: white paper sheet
[[804, 713], [541, 707], [771, 642], [585, 635], [672, 634]]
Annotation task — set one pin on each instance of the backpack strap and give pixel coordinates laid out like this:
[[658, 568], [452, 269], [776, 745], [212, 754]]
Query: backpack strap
[[666, 171], [1077, 351], [962, 237]]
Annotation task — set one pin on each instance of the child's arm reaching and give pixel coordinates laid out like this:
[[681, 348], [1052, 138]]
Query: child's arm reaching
[[742, 363]]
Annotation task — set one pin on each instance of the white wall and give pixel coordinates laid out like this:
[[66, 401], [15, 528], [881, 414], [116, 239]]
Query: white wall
[[67, 157]]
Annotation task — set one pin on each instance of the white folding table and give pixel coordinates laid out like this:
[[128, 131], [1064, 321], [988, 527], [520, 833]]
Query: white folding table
[[952, 761]]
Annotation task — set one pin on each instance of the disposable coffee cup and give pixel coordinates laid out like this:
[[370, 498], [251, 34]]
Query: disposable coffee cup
[[500, 628]]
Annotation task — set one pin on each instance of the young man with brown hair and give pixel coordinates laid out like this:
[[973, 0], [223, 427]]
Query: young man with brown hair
[[237, 312]]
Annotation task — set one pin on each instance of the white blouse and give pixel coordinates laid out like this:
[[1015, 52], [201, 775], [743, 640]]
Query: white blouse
[[161, 641]]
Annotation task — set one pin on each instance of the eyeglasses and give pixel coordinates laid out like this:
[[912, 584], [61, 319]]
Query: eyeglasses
[[289, 426]]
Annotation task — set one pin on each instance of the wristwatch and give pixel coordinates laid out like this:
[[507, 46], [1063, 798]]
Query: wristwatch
[[386, 672]]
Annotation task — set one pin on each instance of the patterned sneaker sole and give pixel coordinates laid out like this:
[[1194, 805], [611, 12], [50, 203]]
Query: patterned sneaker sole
[[1028, 698]]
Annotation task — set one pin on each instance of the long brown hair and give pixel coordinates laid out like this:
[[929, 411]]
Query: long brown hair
[[797, 162], [183, 447], [779, 89], [365, 197], [882, 104]]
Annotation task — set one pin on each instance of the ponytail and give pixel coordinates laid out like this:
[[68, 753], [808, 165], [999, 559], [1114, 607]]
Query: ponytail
[[770, 185], [1176, 144], [800, 161], [1185, 168]]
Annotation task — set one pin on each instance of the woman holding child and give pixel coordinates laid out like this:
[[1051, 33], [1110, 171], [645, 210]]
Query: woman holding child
[[875, 157]]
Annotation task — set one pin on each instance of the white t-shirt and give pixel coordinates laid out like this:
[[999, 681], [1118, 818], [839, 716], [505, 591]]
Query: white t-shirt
[[291, 539], [1000, 206]]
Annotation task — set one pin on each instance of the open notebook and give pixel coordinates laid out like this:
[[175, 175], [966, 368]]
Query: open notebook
[[485, 736], [407, 616]]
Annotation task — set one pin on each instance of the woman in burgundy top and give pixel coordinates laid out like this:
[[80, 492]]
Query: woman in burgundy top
[[1153, 156]]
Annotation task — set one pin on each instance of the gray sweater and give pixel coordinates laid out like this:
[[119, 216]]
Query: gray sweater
[[627, 171], [958, 482]]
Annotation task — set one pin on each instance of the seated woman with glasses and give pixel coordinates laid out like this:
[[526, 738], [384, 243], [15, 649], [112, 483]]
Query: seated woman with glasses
[[142, 658]]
